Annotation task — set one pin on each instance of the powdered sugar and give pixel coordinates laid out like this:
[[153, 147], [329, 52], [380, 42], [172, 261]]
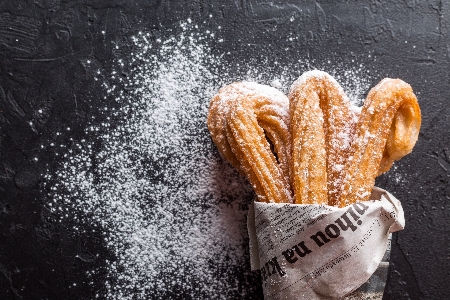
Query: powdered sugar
[[158, 192], [171, 212]]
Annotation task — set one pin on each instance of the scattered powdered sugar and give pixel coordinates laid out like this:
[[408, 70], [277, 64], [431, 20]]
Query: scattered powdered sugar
[[395, 176], [276, 84], [171, 212], [156, 189]]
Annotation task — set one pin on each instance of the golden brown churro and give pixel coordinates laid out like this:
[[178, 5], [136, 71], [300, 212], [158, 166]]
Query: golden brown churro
[[322, 127], [387, 129], [256, 114], [324, 151], [217, 121]]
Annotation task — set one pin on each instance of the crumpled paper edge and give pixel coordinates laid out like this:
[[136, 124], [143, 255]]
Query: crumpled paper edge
[[377, 194]]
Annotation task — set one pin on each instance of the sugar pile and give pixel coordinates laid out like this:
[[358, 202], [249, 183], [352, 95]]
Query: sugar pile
[[171, 212]]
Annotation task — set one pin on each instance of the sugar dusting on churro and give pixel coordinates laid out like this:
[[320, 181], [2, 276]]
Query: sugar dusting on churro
[[171, 212]]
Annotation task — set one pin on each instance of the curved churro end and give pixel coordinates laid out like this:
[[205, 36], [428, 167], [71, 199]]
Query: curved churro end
[[387, 130], [219, 107], [322, 128], [255, 123]]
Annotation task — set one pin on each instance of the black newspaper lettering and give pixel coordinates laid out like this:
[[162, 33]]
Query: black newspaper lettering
[[354, 216], [348, 224], [289, 254], [301, 249], [319, 242], [332, 231], [300, 229], [360, 208], [275, 267]]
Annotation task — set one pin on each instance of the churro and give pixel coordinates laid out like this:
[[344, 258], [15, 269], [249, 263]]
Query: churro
[[322, 128], [243, 118], [313, 147], [387, 130]]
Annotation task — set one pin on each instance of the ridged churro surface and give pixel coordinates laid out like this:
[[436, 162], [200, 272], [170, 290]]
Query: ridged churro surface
[[249, 124], [387, 130], [322, 128], [313, 147]]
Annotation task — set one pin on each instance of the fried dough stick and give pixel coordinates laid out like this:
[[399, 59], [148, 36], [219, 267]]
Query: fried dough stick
[[387, 130], [253, 115], [322, 128]]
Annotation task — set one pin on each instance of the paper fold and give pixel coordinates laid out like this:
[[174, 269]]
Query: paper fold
[[319, 251]]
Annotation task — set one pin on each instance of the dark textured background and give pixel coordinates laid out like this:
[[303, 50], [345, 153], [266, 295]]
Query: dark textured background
[[44, 46]]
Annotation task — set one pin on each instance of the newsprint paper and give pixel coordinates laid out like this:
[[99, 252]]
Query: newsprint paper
[[320, 251]]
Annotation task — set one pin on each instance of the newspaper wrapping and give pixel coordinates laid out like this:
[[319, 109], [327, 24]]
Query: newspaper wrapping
[[320, 251]]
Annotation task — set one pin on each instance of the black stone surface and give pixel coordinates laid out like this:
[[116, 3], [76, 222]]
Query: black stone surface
[[43, 48]]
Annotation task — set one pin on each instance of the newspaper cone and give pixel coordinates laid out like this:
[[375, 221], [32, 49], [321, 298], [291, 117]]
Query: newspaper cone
[[320, 251]]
